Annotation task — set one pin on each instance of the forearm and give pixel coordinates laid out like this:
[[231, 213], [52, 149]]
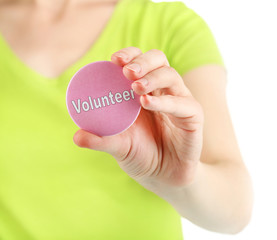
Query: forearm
[[219, 199]]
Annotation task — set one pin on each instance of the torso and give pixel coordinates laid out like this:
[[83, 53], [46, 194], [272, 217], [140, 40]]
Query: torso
[[50, 47]]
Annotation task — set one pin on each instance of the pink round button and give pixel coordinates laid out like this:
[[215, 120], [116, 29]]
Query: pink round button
[[100, 99]]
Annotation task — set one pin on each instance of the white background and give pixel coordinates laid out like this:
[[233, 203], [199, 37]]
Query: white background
[[246, 33]]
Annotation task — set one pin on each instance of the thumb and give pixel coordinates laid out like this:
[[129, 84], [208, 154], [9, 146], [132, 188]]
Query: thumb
[[109, 144]]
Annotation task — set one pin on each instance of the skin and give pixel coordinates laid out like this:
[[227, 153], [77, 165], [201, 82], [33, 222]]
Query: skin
[[182, 146]]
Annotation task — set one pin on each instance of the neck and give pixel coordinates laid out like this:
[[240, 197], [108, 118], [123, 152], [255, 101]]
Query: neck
[[57, 5], [53, 9]]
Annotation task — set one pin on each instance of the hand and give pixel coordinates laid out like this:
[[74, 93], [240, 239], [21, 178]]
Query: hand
[[164, 144]]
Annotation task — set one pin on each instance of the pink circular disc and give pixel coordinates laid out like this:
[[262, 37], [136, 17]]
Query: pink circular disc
[[100, 99]]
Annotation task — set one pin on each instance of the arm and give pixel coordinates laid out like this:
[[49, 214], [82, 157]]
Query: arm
[[182, 146], [220, 198]]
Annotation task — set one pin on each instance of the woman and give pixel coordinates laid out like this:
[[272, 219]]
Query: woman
[[180, 157]]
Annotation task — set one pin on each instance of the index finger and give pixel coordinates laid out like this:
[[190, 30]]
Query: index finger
[[125, 55]]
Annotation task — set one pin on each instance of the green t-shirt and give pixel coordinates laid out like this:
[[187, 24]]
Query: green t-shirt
[[50, 189]]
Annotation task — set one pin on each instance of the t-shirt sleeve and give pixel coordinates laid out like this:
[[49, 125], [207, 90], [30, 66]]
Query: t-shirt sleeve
[[188, 41]]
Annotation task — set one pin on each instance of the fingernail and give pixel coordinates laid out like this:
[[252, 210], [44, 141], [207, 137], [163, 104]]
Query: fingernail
[[121, 55], [134, 67], [150, 98], [143, 81]]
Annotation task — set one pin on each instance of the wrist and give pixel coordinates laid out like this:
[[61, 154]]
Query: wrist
[[173, 191]]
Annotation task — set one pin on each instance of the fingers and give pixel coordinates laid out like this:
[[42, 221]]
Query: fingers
[[145, 63], [141, 64], [151, 71], [109, 144], [125, 55], [176, 106], [165, 78]]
